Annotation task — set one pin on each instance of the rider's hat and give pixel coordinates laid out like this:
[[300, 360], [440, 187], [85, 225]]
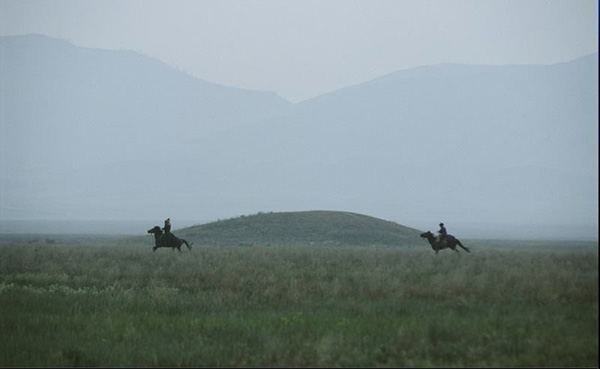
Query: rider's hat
[[441, 224]]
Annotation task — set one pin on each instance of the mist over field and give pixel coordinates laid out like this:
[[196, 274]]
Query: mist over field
[[302, 150], [104, 135]]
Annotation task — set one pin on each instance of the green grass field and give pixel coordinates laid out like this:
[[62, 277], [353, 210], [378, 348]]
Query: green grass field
[[102, 303]]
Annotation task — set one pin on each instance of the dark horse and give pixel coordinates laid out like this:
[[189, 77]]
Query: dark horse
[[450, 243], [172, 241]]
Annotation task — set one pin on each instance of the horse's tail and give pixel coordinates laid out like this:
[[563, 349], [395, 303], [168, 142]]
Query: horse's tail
[[461, 245], [189, 245]]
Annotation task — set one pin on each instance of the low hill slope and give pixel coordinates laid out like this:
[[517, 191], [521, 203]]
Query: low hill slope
[[307, 227]]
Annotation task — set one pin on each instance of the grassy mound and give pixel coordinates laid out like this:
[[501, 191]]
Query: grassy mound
[[307, 227]]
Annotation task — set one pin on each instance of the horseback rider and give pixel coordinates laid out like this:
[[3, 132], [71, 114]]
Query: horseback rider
[[167, 229], [443, 234]]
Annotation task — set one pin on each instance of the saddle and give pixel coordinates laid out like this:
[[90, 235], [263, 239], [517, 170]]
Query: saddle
[[445, 240], [167, 238]]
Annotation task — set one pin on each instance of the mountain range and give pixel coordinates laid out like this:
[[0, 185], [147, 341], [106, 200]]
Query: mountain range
[[103, 134]]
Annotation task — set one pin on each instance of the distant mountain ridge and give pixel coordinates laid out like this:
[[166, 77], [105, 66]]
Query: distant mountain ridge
[[55, 89], [98, 134]]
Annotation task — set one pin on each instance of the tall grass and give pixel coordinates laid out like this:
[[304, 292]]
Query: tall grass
[[104, 305]]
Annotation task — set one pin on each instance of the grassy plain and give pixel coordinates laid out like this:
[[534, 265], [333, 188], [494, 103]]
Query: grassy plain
[[105, 303]]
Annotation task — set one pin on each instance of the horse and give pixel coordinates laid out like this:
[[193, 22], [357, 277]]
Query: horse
[[160, 240], [450, 243]]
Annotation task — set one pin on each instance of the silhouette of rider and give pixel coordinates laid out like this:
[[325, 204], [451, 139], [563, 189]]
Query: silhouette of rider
[[443, 234], [167, 229]]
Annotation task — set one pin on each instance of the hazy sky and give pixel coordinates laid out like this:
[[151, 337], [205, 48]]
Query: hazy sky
[[301, 49]]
